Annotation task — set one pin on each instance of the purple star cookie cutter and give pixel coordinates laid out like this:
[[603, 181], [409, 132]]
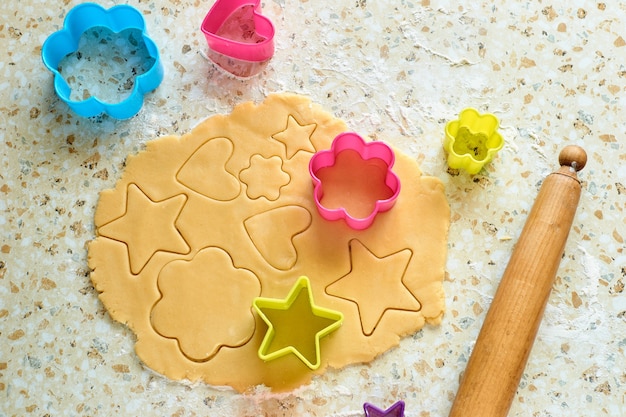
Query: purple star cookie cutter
[[396, 410]]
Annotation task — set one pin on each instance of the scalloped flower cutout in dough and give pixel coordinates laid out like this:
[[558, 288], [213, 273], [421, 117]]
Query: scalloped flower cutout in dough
[[201, 308]]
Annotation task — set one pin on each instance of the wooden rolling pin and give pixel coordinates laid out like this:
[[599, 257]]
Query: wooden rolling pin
[[506, 338]]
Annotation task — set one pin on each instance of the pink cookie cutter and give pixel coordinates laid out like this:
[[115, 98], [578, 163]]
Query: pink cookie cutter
[[363, 184], [240, 38]]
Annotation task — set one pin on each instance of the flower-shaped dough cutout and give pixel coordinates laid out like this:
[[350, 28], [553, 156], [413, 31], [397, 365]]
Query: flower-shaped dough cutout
[[264, 177], [354, 180], [66, 41], [200, 327], [295, 325], [472, 140]]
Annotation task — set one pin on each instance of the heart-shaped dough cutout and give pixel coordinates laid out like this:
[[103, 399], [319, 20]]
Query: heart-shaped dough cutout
[[272, 233], [205, 171]]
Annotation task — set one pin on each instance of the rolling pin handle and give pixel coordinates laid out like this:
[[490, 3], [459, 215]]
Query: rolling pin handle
[[573, 156]]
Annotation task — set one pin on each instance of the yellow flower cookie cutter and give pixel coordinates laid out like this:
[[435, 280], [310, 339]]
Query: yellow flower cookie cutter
[[472, 140], [294, 324]]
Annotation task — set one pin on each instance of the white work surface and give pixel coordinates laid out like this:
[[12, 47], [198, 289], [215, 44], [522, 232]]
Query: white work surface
[[553, 72]]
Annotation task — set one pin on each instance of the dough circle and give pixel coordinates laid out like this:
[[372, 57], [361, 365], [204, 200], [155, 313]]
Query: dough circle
[[201, 224]]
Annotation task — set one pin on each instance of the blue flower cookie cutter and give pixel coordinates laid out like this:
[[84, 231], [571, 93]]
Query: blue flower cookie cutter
[[65, 41]]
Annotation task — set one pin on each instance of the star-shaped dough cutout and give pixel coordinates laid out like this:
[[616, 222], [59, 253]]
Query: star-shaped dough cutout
[[396, 410], [296, 137], [295, 325], [147, 227], [374, 294]]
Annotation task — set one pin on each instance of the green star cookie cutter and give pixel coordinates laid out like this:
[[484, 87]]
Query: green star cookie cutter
[[295, 325], [472, 140]]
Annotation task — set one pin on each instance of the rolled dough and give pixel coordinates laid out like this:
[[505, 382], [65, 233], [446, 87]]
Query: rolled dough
[[201, 224]]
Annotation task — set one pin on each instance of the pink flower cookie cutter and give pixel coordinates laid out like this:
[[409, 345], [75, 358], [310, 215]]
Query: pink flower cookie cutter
[[240, 38], [358, 175]]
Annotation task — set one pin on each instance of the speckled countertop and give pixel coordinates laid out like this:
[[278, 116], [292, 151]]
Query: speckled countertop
[[553, 72]]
